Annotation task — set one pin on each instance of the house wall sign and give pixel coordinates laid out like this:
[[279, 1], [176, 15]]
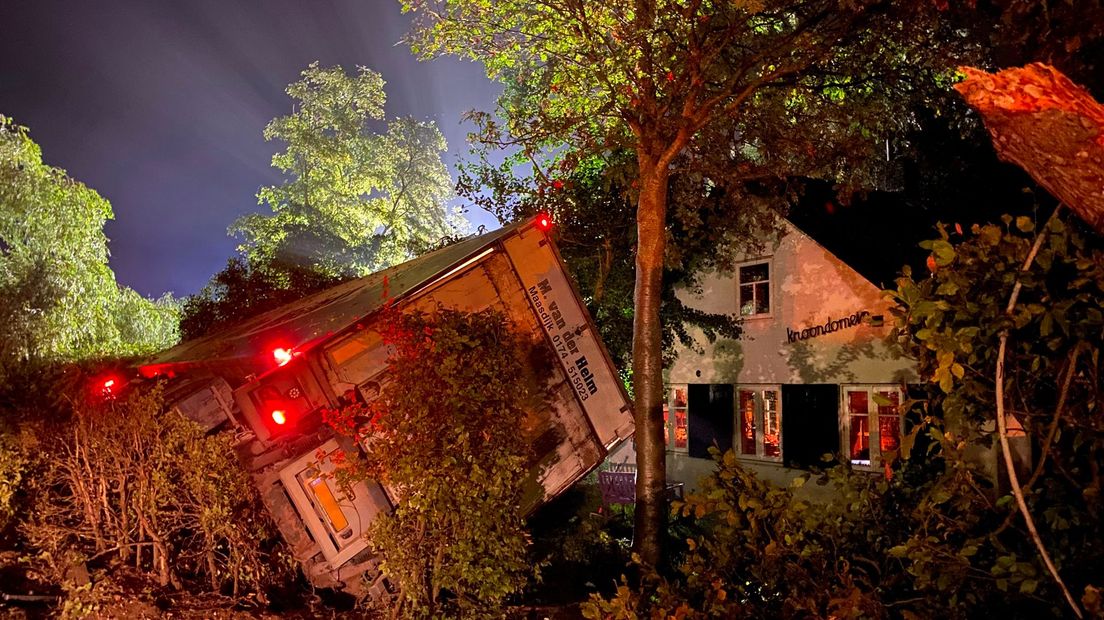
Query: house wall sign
[[829, 326]]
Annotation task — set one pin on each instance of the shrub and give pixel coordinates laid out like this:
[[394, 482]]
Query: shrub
[[126, 480], [446, 435]]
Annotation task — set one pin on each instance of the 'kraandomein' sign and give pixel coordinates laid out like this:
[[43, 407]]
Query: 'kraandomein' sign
[[829, 326]]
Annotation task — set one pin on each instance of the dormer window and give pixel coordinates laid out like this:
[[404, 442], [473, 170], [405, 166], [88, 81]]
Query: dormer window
[[754, 289]]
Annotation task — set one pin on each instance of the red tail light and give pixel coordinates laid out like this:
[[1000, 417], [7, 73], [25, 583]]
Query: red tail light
[[281, 355], [279, 417], [107, 388], [544, 222]]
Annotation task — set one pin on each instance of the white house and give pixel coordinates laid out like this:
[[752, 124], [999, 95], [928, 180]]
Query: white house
[[811, 374]]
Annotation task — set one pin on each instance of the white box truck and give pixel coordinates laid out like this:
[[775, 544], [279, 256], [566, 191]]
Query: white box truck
[[288, 364]]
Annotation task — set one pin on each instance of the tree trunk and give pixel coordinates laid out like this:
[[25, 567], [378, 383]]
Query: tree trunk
[[647, 365], [1050, 127]]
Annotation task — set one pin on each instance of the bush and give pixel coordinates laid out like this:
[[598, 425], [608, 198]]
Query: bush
[[756, 550], [446, 434], [125, 480]]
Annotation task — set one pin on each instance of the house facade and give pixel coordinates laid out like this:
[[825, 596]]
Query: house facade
[[811, 374]]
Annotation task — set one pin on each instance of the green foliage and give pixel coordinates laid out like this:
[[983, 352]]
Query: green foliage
[[951, 322], [593, 223], [244, 289], [354, 201], [918, 545], [758, 551], [750, 93], [444, 436], [58, 297]]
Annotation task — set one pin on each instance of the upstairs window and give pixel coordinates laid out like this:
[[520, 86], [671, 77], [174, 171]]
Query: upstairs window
[[754, 289]]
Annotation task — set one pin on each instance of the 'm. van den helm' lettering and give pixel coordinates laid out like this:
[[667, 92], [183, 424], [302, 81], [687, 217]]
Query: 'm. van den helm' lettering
[[550, 315], [587, 376], [829, 326]]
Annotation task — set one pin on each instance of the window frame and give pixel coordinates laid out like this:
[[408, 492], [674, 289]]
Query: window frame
[[874, 429], [758, 391], [768, 261], [670, 421]]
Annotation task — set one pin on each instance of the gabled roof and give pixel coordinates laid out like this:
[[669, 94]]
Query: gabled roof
[[876, 236], [303, 323]]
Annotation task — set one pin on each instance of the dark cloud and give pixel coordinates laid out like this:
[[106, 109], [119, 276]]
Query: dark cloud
[[160, 106]]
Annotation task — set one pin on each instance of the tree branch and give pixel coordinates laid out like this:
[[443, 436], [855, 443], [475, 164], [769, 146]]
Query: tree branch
[[1002, 425]]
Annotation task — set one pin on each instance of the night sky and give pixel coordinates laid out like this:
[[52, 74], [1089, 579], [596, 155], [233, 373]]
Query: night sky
[[159, 105]]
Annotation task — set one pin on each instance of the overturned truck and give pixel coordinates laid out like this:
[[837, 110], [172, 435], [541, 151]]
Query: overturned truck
[[269, 378]]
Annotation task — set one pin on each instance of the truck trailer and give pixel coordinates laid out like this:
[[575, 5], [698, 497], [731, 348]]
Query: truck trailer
[[268, 378]]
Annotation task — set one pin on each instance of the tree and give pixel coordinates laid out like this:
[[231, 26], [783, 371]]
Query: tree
[[592, 212], [353, 201], [444, 434], [244, 289], [681, 85], [58, 297]]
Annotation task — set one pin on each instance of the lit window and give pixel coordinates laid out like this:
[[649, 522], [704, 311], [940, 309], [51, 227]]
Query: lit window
[[772, 425], [889, 420], [759, 423], [754, 289], [873, 421], [747, 422], [676, 433]]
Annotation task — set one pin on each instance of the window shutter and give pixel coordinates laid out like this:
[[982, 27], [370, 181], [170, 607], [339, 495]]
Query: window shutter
[[712, 413], [810, 424]]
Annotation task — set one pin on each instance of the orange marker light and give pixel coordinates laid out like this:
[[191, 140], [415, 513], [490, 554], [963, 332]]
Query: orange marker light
[[279, 417], [281, 355]]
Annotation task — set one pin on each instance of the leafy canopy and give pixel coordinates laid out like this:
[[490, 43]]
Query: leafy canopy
[[244, 289], [951, 321], [647, 76], [707, 89], [354, 200], [58, 297]]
